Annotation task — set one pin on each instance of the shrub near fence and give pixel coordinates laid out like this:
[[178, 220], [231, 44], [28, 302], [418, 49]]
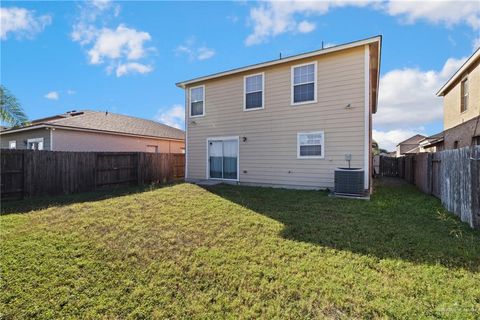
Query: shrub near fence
[[453, 176], [27, 173]]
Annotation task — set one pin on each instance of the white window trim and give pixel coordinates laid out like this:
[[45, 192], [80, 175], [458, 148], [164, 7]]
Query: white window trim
[[311, 157], [245, 91], [10, 144], [36, 140], [190, 102], [315, 84], [207, 167]]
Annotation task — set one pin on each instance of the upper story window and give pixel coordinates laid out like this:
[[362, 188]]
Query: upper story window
[[12, 144], [197, 101], [304, 82], [310, 145], [253, 96], [464, 95]]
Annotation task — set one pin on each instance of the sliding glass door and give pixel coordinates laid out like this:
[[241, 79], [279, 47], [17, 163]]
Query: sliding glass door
[[223, 159]]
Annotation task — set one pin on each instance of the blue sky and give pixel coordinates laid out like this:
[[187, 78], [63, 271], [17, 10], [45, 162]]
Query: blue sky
[[125, 57]]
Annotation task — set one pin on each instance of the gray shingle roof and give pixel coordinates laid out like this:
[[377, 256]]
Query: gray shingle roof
[[119, 123]]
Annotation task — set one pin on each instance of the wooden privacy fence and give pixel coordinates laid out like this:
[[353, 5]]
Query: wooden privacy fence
[[453, 176], [27, 173]]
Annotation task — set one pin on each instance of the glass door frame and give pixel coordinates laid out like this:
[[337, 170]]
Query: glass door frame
[[232, 138]]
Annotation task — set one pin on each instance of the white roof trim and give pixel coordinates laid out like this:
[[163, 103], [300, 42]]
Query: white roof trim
[[459, 72], [349, 45]]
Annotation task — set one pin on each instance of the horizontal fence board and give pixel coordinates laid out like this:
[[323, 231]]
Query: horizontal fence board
[[28, 173]]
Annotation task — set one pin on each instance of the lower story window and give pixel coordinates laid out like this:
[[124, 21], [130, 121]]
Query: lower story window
[[12, 144], [476, 141], [310, 145], [35, 144]]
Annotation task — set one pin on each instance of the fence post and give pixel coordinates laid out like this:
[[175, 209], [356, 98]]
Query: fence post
[[95, 171], [429, 172], [475, 185], [139, 173], [23, 175]]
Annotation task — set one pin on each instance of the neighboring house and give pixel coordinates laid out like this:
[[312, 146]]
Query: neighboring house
[[410, 146], [432, 143], [461, 108], [288, 122], [94, 131]]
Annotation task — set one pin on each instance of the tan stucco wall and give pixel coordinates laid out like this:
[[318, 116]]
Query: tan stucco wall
[[269, 156], [69, 140], [451, 102]]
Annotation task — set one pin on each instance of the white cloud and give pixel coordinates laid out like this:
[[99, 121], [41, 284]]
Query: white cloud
[[174, 116], [205, 53], [118, 43], [101, 4], [70, 92], [21, 22], [446, 12], [120, 49], [407, 97], [407, 100], [389, 139], [132, 67], [52, 95], [272, 18], [194, 52], [306, 27]]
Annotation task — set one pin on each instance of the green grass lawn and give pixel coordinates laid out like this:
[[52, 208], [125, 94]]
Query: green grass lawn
[[184, 251]]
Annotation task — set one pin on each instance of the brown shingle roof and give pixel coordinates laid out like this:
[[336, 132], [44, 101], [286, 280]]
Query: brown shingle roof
[[119, 123], [110, 122]]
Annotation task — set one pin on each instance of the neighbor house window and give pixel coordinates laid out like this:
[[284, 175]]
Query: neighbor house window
[[304, 78], [464, 95], [197, 101], [35, 144], [12, 144], [476, 141], [310, 145], [253, 92], [152, 149]]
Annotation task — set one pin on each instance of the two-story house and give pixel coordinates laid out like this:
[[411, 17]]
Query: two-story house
[[461, 109], [410, 145], [288, 122]]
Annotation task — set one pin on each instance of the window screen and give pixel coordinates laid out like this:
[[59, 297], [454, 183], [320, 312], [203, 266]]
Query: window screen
[[310, 144], [304, 83], [254, 92], [464, 95], [196, 101]]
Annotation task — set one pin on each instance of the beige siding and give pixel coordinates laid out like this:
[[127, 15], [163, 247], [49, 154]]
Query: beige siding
[[22, 136], [452, 115], [269, 156], [70, 140]]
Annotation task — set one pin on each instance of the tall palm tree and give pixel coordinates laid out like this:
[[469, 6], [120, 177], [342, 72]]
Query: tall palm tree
[[11, 111]]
